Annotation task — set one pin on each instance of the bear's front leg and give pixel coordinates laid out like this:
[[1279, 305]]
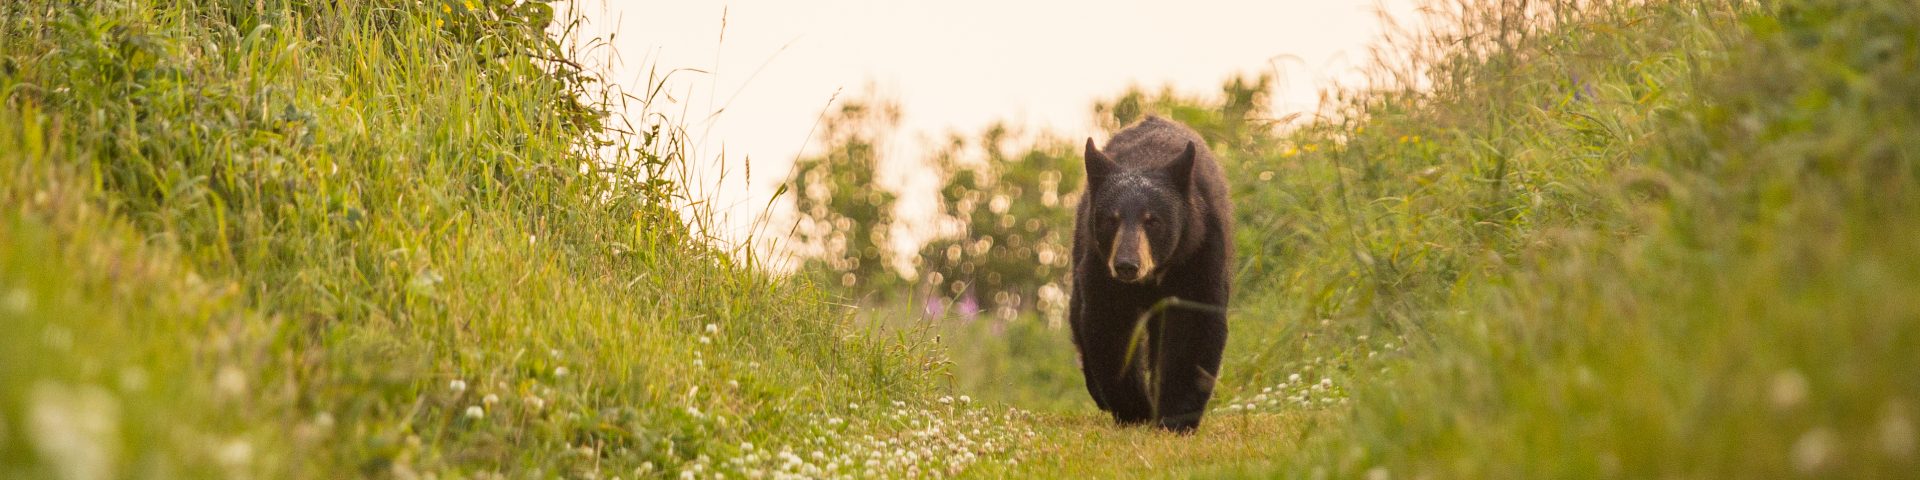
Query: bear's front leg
[[1189, 362], [1077, 320], [1117, 387]]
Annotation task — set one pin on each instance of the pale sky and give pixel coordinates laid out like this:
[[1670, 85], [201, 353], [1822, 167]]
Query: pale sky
[[954, 66]]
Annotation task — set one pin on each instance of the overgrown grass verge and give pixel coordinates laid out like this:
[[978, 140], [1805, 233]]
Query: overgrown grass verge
[[1637, 239], [384, 239]]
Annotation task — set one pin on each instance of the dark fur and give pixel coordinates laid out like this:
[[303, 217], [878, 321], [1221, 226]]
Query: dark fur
[[1145, 173]]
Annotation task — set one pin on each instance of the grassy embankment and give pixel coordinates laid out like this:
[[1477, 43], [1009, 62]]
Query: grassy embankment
[[367, 238], [1633, 239]]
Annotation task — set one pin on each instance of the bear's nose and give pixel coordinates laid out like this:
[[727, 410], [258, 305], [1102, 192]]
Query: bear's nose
[[1126, 269]]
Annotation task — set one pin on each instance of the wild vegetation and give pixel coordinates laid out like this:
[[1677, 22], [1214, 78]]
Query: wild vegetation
[[394, 239], [387, 238]]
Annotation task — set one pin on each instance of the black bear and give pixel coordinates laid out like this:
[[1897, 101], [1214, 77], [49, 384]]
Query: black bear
[[1154, 223]]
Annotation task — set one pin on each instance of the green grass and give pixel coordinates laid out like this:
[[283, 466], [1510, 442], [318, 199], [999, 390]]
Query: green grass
[[335, 239], [305, 240], [1686, 267]]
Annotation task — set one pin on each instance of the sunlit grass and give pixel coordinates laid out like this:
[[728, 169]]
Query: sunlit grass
[[262, 239]]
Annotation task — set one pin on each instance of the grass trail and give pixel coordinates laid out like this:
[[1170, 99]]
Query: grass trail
[[1089, 446]]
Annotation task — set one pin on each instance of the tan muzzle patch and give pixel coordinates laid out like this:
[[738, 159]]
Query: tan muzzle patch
[[1131, 241]]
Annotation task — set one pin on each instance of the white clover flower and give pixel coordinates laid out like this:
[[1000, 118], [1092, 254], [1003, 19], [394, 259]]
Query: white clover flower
[[733, 384], [965, 399], [713, 329], [475, 412], [699, 363], [853, 406], [705, 340], [746, 446], [490, 399], [1378, 473], [235, 454], [946, 399], [536, 402], [560, 372], [458, 386], [1293, 377], [694, 412]]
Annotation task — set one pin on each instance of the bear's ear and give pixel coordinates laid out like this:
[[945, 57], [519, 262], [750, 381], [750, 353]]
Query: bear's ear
[[1180, 171], [1098, 165]]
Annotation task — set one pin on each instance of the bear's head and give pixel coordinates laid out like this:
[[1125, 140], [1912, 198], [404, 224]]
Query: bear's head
[[1138, 215]]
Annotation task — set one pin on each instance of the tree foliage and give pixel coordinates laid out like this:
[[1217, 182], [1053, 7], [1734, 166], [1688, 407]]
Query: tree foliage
[[1014, 205], [845, 218]]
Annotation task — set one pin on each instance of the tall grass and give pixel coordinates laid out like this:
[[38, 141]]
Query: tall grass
[[1638, 239], [386, 238], [1371, 218]]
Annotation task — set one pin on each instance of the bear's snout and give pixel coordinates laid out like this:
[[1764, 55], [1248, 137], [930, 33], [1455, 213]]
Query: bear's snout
[[1132, 259]]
